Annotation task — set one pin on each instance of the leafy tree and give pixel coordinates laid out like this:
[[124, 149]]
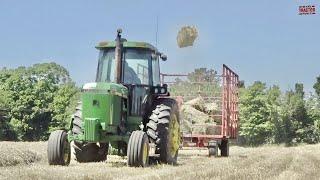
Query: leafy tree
[[288, 122], [242, 84], [202, 81], [256, 127], [313, 110], [313, 107], [299, 90], [316, 86], [296, 122], [267, 116], [274, 103], [63, 106], [202, 75], [6, 132], [35, 96]]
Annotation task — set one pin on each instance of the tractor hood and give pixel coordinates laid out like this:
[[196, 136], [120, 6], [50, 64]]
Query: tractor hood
[[106, 88]]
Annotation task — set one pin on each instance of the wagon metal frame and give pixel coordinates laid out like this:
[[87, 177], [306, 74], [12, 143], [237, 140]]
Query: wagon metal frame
[[229, 114]]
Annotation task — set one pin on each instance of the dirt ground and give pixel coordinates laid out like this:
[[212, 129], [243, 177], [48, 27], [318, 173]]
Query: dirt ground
[[267, 162]]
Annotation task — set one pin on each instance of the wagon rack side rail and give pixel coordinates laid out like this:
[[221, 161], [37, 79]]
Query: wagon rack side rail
[[228, 99]]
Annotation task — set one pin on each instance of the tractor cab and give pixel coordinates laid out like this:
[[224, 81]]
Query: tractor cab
[[140, 65], [140, 72]]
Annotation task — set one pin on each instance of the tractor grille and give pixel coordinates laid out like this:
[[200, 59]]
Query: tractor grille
[[91, 132]]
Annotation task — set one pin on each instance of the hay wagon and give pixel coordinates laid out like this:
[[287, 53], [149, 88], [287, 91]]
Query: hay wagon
[[208, 108]]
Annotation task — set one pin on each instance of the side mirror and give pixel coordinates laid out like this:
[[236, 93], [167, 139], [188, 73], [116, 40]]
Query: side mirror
[[163, 57]]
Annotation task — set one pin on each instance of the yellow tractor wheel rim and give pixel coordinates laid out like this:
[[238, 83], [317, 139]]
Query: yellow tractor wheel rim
[[66, 150], [174, 136], [145, 153]]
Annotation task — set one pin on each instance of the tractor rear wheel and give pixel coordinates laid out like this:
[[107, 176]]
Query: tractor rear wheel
[[163, 129], [138, 149], [86, 152], [58, 148]]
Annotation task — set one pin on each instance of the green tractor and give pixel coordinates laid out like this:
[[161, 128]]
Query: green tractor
[[127, 107]]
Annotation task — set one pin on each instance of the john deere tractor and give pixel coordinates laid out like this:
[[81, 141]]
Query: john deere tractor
[[127, 107]]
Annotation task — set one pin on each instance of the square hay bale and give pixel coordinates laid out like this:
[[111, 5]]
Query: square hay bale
[[197, 103], [186, 36]]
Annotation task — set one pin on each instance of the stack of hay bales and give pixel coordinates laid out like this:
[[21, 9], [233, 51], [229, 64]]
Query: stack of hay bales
[[196, 119], [186, 36]]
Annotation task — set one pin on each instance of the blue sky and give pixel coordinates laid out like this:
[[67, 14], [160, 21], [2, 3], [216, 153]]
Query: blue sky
[[261, 40]]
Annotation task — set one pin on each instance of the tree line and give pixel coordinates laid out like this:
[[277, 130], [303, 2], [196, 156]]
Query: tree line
[[39, 99], [35, 100], [268, 115]]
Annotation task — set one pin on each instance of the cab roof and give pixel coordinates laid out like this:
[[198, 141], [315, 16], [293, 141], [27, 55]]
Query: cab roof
[[126, 44]]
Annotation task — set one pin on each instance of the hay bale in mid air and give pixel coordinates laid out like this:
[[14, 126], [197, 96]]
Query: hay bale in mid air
[[186, 36]]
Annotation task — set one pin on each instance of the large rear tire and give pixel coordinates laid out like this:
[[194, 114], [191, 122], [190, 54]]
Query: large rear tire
[[58, 148], [138, 149], [86, 152], [163, 129]]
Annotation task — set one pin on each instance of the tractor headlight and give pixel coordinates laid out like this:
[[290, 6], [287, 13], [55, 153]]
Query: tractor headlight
[[163, 90], [160, 90]]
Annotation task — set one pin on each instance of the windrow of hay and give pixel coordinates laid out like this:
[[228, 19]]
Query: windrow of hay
[[14, 153]]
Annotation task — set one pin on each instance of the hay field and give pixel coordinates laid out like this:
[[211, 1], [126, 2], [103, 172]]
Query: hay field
[[268, 162]]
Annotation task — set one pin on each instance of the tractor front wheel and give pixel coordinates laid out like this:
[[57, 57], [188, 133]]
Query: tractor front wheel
[[138, 149], [59, 148]]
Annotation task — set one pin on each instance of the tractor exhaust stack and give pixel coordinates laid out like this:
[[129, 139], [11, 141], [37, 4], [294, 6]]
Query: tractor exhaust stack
[[118, 57]]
